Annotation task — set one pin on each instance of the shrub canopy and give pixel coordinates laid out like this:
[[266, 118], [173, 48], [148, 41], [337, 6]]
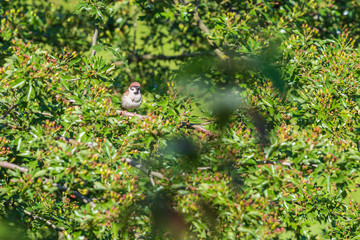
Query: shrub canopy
[[249, 127]]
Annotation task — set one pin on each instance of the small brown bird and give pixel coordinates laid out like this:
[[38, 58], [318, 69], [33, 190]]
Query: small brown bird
[[132, 98]]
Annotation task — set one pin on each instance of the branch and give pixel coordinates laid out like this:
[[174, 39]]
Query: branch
[[61, 229], [152, 181], [8, 111], [203, 168], [72, 141], [130, 114], [86, 200], [142, 168], [195, 126], [173, 57], [45, 114], [288, 164], [231, 7], [74, 79], [201, 129], [77, 194], [135, 28], [197, 5], [93, 41], [275, 163], [12, 166], [206, 30], [130, 161], [147, 57]]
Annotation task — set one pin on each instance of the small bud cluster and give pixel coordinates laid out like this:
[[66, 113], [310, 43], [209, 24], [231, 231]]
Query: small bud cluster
[[4, 149]]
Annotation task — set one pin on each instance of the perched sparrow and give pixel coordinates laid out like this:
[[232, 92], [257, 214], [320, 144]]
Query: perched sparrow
[[132, 98]]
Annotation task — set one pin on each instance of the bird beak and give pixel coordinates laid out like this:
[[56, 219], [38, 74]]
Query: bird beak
[[137, 90]]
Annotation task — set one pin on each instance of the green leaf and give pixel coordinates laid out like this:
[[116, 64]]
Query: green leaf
[[4, 190], [64, 83], [40, 173], [18, 83], [30, 93], [98, 47], [74, 61], [32, 165], [99, 186]]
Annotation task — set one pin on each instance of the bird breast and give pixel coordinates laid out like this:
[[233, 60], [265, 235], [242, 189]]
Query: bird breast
[[131, 101]]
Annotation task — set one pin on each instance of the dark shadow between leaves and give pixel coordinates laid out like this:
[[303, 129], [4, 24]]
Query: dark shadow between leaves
[[216, 84], [186, 151], [166, 220]]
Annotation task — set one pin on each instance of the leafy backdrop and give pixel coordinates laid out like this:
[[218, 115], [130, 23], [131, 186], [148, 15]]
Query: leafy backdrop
[[248, 129]]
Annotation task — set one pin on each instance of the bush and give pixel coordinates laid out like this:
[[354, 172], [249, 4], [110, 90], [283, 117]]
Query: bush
[[248, 128]]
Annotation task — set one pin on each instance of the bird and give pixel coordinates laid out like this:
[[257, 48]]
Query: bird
[[132, 98]]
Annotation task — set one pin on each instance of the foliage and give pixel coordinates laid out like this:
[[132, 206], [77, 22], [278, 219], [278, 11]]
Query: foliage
[[248, 129]]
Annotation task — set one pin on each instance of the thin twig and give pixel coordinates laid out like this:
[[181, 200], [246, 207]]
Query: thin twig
[[195, 126], [48, 222], [288, 164], [172, 57], [135, 28], [205, 123], [204, 168], [77, 194], [152, 181], [150, 57], [74, 79], [197, 5], [12, 166], [130, 114], [93, 41], [45, 114], [130, 161], [231, 7], [73, 141], [143, 169], [275, 163], [200, 128], [8, 111], [206, 30]]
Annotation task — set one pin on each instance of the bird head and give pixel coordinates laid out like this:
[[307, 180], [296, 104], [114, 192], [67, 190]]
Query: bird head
[[134, 88]]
